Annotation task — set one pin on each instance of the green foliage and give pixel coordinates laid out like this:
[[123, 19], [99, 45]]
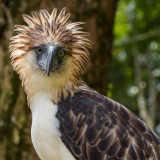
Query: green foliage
[[132, 19]]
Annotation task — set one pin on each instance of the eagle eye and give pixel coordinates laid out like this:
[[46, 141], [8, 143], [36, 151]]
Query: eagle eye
[[39, 50], [61, 53]]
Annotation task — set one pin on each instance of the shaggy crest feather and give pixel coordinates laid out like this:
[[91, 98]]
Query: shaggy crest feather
[[51, 29]]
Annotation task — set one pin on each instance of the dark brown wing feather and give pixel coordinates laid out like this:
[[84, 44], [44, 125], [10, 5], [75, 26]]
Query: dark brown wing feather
[[94, 127]]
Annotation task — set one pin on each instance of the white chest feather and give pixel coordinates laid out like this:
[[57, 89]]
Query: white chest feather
[[45, 130]]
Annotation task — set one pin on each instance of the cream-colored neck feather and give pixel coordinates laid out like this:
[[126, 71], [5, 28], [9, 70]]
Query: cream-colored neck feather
[[58, 84]]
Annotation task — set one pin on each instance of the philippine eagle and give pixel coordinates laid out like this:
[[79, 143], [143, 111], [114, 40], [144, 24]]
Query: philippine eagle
[[69, 119]]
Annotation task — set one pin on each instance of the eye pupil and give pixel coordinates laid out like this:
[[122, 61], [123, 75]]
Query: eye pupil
[[61, 54], [38, 50]]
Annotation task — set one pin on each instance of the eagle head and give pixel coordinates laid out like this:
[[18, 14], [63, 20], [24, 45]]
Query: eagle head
[[50, 50]]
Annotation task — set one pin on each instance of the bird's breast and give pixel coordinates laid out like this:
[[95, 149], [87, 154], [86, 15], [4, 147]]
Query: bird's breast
[[45, 132]]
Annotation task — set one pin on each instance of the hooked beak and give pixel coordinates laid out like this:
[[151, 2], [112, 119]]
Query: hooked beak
[[49, 62], [51, 58]]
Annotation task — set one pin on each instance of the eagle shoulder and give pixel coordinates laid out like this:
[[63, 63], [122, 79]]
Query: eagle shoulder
[[93, 127]]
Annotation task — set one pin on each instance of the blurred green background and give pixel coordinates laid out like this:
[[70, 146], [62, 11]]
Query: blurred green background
[[125, 62]]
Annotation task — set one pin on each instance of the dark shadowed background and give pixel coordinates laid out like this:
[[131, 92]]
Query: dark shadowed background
[[125, 62]]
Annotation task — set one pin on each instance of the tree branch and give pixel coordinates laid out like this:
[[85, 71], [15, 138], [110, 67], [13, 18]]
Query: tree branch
[[138, 38]]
